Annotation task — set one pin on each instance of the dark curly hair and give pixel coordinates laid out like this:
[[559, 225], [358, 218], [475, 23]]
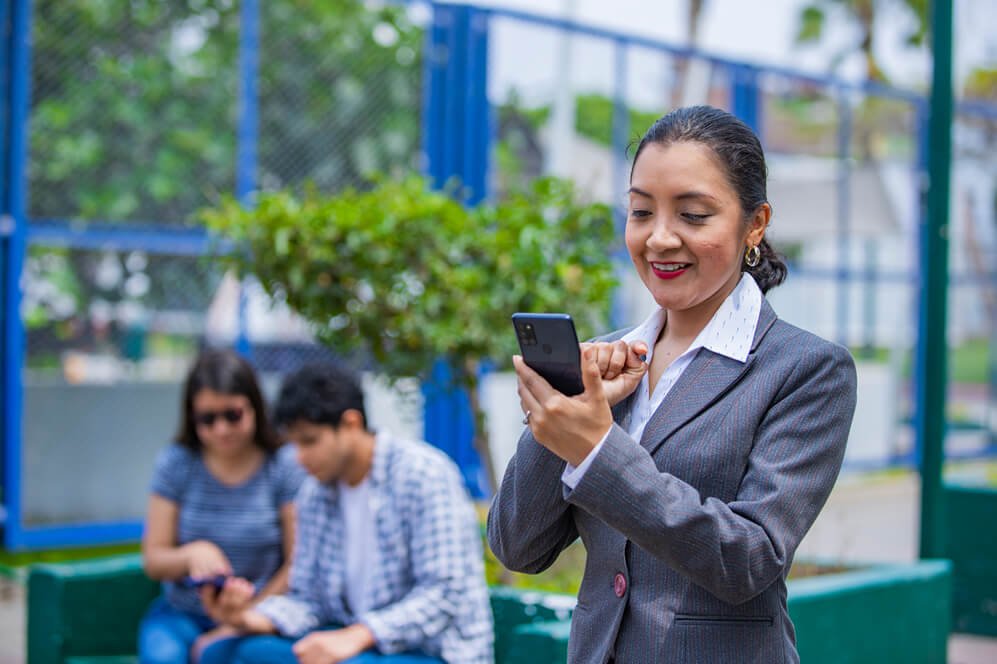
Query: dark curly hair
[[319, 394], [226, 372], [740, 153]]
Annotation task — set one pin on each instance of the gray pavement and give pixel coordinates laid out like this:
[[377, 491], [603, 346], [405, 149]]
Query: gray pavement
[[866, 519]]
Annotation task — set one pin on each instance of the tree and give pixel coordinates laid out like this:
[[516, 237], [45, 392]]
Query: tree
[[862, 14], [408, 276], [134, 101], [133, 120]]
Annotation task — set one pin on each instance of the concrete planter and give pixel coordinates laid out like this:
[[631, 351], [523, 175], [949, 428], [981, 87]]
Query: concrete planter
[[971, 514], [890, 613]]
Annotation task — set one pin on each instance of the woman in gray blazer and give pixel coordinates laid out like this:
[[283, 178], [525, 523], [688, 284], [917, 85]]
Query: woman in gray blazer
[[707, 439]]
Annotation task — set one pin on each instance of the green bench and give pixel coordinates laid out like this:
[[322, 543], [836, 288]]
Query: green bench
[[88, 613]]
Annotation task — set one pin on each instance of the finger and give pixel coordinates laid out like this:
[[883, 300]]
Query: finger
[[528, 402], [618, 359], [534, 383], [638, 352], [591, 377], [208, 598], [245, 587], [605, 354]]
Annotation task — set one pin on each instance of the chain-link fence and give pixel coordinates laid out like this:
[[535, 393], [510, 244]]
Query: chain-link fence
[[141, 114], [846, 172]]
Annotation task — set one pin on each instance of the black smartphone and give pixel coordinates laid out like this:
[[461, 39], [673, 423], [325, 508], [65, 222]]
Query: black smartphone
[[217, 582], [549, 346]]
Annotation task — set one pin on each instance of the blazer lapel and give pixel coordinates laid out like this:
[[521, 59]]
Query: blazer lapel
[[704, 381]]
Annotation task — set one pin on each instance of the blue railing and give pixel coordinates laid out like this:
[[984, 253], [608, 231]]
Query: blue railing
[[457, 133]]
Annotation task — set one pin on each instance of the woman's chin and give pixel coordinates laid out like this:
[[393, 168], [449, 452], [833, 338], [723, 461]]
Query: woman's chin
[[229, 447]]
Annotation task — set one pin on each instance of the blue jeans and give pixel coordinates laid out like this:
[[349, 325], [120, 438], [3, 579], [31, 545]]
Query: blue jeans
[[277, 650], [165, 634]]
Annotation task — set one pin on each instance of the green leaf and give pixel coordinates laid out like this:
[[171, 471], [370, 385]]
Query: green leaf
[[811, 26]]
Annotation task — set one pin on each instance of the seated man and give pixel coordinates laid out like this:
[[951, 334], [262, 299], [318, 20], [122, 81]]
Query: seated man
[[387, 562]]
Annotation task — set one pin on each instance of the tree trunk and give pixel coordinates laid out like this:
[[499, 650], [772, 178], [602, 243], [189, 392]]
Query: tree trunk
[[482, 442]]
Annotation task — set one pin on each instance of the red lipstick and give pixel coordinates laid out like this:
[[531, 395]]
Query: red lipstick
[[669, 274]]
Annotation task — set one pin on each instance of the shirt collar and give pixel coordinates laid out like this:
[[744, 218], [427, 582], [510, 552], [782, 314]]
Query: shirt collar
[[730, 332]]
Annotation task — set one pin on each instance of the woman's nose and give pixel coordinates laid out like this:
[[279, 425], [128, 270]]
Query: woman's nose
[[663, 236]]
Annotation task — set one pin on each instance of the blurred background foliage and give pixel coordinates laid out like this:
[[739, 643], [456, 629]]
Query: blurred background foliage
[[406, 275], [134, 101]]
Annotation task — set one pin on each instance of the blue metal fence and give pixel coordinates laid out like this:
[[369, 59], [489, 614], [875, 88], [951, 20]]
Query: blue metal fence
[[458, 138]]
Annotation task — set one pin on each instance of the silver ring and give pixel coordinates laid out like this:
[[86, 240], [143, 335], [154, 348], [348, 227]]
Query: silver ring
[[526, 418]]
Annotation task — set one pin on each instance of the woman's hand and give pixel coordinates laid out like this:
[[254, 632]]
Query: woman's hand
[[225, 606], [205, 559], [570, 427], [621, 367]]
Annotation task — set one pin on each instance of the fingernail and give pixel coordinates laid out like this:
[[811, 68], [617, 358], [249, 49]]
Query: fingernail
[[643, 357]]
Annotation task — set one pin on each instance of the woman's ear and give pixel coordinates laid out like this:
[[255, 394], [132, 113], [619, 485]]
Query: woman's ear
[[758, 225]]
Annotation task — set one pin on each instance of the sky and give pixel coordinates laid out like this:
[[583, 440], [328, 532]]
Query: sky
[[760, 31]]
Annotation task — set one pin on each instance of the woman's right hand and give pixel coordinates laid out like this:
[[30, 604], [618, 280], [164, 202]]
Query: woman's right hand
[[227, 605], [205, 559], [621, 366]]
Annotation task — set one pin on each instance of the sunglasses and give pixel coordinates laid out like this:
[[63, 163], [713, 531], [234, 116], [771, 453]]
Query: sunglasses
[[206, 418]]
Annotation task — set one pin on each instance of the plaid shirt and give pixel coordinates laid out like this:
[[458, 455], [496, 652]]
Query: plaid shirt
[[427, 591]]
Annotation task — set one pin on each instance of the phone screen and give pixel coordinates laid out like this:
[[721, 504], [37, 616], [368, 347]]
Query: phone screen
[[549, 346]]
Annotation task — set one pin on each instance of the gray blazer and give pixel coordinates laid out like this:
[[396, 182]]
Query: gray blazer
[[690, 532]]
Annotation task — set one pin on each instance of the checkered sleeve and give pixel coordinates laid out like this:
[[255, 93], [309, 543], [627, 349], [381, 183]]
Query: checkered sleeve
[[299, 610], [443, 551]]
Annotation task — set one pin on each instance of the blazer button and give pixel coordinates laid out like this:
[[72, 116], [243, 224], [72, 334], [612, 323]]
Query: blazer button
[[620, 585]]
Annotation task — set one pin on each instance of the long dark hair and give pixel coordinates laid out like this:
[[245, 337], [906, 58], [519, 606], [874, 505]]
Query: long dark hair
[[739, 151], [226, 372]]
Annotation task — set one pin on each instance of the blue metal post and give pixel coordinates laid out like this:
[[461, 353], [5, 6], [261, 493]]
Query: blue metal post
[[456, 143], [246, 137], [869, 300], [456, 77], [5, 53], [477, 110], [13, 218], [6, 226], [621, 131], [844, 212], [434, 65], [745, 101], [621, 123]]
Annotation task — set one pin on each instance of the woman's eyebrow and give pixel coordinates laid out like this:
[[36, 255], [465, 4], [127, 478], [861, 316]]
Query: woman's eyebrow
[[639, 192], [695, 194]]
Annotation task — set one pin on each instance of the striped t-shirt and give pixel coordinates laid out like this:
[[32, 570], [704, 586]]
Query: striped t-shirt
[[243, 520]]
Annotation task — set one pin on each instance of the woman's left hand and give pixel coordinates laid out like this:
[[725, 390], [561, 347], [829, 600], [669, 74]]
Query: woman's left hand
[[570, 427]]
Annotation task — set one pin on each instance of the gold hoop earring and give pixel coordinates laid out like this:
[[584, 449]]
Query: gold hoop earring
[[753, 256]]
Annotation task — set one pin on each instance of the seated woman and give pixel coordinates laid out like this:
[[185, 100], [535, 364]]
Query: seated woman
[[220, 508]]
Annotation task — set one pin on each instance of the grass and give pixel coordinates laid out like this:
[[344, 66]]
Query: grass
[[13, 563], [968, 362]]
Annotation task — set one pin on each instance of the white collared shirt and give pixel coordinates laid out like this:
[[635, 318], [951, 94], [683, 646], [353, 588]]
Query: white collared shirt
[[730, 332]]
